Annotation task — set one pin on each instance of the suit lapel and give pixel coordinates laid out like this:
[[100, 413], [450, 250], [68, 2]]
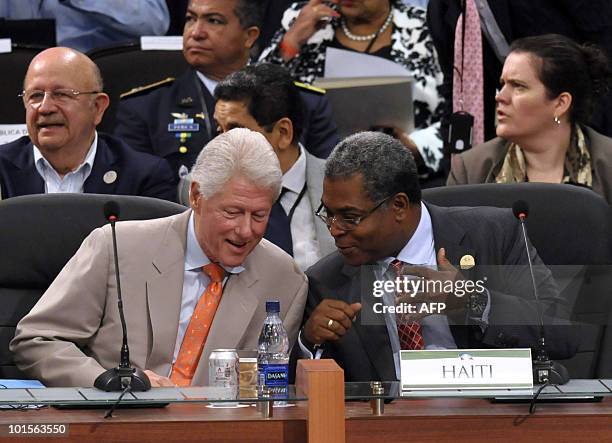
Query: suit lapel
[[26, 179], [164, 293], [238, 305], [314, 182], [103, 162], [451, 236], [374, 337]]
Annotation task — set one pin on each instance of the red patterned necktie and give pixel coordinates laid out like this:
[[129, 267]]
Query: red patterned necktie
[[195, 336], [470, 70], [409, 331]]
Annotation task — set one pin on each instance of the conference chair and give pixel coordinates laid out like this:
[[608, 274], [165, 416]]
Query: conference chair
[[13, 66], [571, 227], [125, 67], [38, 235]]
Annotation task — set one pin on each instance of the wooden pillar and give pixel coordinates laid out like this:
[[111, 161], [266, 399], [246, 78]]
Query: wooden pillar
[[322, 381]]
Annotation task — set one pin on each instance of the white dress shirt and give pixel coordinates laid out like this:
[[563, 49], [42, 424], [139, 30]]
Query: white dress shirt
[[208, 82], [74, 181], [420, 251], [194, 282], [303, 231]]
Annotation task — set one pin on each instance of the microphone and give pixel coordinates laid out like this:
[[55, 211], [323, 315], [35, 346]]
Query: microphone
[[545, 371], [124, 377]]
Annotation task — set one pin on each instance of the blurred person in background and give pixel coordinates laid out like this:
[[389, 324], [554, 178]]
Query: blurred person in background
[[90, 24], [548, 87], [384, 28]]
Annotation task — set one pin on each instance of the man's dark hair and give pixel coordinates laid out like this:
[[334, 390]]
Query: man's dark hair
[[249, 13], [269, 94], [565, 66], [387, 166]]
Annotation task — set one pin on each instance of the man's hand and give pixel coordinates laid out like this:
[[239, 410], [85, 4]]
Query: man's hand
[[445, 277], [330, 320], [309, 21], [157, 380]]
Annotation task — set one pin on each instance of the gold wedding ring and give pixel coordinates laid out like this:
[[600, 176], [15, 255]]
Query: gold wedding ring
[[330, 323]]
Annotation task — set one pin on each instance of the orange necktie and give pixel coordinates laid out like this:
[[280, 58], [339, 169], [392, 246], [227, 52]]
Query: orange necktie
[[195, 336]]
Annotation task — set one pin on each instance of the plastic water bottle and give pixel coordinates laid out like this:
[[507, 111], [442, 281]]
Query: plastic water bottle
[[273, 352]]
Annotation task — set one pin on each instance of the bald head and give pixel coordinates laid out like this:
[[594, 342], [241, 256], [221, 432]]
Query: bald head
[[67, 61], [64, 104]]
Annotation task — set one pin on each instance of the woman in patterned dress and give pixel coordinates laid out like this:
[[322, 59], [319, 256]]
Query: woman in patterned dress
[[385, 28]]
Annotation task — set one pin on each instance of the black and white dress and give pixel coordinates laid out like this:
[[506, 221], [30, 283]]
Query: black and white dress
[[411, 47]]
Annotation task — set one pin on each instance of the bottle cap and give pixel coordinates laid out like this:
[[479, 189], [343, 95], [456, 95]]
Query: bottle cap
[[272, 306]]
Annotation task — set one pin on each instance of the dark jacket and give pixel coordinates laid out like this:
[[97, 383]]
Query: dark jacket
[[137, 173]]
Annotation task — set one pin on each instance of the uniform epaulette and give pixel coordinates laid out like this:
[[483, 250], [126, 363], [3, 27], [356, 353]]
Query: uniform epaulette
[[310, 88], [147, 88]]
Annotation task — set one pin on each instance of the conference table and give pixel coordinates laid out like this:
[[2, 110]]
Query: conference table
[[580, 411]]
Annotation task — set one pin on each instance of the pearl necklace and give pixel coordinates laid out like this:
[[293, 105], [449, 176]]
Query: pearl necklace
[[365, 38]]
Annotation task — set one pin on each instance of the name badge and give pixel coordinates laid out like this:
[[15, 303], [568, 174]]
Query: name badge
[[466, 369], [183, 127]]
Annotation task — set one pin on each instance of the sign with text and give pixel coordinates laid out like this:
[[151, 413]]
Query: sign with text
[[9, 133], [466, 369]]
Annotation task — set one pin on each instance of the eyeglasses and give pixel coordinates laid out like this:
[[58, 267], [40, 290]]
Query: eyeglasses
[[35, 97], [346, 223]]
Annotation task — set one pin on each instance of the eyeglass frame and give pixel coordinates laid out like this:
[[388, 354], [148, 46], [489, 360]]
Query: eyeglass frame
[[74, 94], [356, 221]]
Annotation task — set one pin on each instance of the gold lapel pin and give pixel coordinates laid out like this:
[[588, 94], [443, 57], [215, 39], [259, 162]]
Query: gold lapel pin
[[467, 262]]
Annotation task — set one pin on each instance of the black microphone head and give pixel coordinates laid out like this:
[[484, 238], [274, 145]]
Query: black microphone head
[[111, 209], [520, 208]]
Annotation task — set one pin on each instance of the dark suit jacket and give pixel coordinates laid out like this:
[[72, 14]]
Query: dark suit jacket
[[143, 119], [492, 236], [482, 163], [137, 173]]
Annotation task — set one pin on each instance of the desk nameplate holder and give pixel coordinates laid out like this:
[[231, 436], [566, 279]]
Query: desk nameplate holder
[[466, 369]]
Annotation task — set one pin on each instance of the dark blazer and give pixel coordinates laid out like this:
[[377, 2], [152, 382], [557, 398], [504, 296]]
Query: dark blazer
[[482, 163], [137, 173], [143, 119], [492, 236]]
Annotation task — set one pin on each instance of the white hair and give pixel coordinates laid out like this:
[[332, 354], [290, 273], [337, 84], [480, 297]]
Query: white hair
[[237, 153]]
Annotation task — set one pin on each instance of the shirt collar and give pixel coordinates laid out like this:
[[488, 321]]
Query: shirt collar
[[418, 249], [195, 257], [43, 165], [208, 82], [295, 177]]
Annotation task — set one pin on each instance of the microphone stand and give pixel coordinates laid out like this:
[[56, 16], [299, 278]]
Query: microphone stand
[[123, 378], [545, 371]]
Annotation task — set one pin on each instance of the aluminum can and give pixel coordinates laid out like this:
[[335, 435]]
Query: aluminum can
[[223, 368]]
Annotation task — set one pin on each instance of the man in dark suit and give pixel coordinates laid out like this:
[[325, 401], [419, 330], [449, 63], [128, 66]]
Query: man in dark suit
[[173, 118], [372, 205], [64, 153]]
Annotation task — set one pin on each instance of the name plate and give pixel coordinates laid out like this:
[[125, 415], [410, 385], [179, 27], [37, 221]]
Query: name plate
[[466, 369]]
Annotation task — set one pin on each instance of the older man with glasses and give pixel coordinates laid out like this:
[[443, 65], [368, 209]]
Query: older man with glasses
[[64, 102], [372, 206]]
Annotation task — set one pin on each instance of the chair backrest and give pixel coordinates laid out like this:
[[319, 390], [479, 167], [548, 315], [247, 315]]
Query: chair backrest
[[13, 66], [571, 227], [127, 66], [38, 235]]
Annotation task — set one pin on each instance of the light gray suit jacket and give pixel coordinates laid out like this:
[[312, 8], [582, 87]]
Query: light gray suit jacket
[[482, 163], [73, 333], [315, 173]]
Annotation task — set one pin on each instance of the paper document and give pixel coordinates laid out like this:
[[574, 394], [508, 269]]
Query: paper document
[[366, 103], [343, 63]]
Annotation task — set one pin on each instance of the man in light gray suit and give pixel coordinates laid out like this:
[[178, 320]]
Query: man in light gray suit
[[73, 334], [264, 98]]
